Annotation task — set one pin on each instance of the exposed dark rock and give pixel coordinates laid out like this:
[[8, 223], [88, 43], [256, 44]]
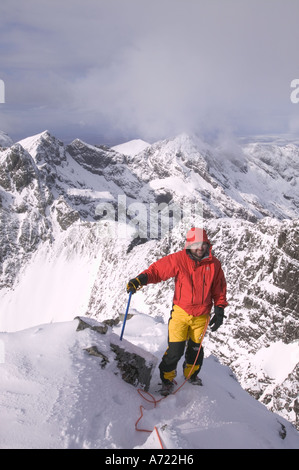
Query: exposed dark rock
[[92, 324], [93, 351], [135, 365], [282, 431], [135, 369]]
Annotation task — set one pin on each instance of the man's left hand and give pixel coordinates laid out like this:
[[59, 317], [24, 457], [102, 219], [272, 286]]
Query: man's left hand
[[217, 319]]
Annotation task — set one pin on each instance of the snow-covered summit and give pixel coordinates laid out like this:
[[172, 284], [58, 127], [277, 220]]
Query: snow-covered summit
[[44, 148], [131, 148]]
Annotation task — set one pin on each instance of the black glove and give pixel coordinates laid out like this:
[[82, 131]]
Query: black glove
[[136, 283], [217, 319]]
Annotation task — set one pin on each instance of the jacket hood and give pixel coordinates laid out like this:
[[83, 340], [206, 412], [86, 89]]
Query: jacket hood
[[195, 235]]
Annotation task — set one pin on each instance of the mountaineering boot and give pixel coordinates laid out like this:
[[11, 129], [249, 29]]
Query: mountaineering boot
[[195, 380], [167, 388]]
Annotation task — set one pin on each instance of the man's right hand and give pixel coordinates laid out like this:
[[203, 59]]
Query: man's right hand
[[136, 283]]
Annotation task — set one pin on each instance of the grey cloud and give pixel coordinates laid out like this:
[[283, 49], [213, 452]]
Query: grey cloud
[[114, 68]]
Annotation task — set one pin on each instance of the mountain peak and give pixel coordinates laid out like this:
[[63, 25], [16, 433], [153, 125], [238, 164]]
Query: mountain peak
[[132, 147], [44, 147], [40, 137]]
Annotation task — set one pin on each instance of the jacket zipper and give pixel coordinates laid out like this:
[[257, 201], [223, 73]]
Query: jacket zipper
[[192, 287], [203, 288]]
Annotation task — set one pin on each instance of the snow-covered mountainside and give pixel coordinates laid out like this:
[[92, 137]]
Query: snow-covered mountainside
[[69, 215], [54, 395]]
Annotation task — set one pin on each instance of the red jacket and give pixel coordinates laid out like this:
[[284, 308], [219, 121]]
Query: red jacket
[[198, 284]]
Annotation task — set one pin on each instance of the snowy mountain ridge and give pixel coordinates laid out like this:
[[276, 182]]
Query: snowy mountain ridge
[[133, 147], [57, 246], [69, 400]]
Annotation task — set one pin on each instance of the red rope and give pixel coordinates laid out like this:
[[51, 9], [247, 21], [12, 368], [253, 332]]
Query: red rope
[[154, 401]]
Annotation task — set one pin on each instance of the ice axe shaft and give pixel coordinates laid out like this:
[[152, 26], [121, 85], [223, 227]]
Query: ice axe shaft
[[125, 319]]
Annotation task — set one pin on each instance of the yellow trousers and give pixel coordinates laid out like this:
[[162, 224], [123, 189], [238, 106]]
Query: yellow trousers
[[183, 328]]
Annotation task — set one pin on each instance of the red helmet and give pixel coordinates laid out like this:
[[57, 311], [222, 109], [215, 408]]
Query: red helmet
[[196, 235]]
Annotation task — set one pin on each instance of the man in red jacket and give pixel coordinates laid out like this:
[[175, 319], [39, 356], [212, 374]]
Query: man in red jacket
[[199, 284]]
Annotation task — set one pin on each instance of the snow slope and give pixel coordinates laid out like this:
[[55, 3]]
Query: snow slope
[[70, 269], [133, 147], [55, 396]]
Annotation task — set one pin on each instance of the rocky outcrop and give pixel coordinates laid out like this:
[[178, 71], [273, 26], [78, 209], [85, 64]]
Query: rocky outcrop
[[23, 221], [285, 399], [134, 365]]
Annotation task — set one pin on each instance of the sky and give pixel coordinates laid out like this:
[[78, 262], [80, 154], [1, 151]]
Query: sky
[[107, 71]]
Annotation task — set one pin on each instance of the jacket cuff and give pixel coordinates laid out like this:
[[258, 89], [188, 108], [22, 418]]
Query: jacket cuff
[[143, 278]]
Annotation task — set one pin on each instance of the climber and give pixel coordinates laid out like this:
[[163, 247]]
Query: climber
[[199, 283]]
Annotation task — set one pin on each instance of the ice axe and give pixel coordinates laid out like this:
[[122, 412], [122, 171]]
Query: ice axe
[[125, 319]]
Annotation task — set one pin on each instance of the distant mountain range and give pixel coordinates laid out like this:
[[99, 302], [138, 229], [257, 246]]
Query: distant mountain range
[[69, 218]]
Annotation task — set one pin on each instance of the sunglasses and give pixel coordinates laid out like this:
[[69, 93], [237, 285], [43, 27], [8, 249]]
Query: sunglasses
[[197, 245]]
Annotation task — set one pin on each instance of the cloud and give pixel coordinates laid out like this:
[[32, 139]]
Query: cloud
[[110, 69]]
